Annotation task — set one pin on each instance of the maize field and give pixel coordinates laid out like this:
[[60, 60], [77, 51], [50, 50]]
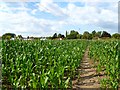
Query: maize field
[[53, 63], [107, 54], [40, 64]]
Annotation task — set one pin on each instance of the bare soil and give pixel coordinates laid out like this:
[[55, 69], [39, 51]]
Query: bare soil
[[87, 75]]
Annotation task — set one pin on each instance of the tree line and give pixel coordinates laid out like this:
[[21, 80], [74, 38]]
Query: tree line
[[86, 35], [70, 35]]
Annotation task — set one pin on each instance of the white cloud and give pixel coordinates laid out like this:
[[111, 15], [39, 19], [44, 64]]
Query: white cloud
[[92, 14], [86, 1], [23, 23], [51, 8], [34, 11]]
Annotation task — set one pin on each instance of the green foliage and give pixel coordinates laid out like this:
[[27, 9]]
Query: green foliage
[[66, 33], [8, 36], [40, 64], [87, 35], [106, 53], [105, 34], [54, 36], [79, 36], [116, 36], [49, 37], [93, 33], [19, 37], [61, 36], [98, 34], [73, 35]]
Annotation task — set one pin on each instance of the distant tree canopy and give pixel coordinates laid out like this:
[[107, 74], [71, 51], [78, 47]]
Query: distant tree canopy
[[57, 36], [70, 35], [54, 36], [60, 36], [105, 34], [66, 33], [73, 35], [20, 37], [79, 36], [28, 37], [86, 35], [116, 36], [93, 33], [8, 36], [98, 34]]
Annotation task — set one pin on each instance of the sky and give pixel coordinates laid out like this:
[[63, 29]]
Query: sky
[[46, 17]]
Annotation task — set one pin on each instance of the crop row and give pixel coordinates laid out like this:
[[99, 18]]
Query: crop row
[[107, 55], [40, 64]]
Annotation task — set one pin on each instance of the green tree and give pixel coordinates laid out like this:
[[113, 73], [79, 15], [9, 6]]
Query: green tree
[[8, 36], [90, 36], [116, 36], [66, 33], [98, 34], [105, 34], [86, 35], [20, 37], [93, 33], [73, 35], [79, 36], [59, 35], [49, 37], [28, 37], [62, 36], [54, 36]]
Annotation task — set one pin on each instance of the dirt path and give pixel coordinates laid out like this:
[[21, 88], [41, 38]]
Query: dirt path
[[88, 78]]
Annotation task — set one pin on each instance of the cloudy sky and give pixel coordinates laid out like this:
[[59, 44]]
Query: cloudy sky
[[46, 17]]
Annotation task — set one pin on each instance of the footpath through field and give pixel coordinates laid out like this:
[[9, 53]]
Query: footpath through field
[[88, 78]]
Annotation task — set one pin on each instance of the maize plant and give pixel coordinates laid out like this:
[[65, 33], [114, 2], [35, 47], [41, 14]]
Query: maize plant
[[0, 63], [107, 54], [40, 64]]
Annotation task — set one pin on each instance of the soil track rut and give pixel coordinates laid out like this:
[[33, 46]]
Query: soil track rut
[[88, 78]]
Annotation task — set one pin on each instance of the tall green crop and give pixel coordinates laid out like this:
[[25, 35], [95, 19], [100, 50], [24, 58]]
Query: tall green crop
[[0, 63], [41, 64], [106, 53]]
